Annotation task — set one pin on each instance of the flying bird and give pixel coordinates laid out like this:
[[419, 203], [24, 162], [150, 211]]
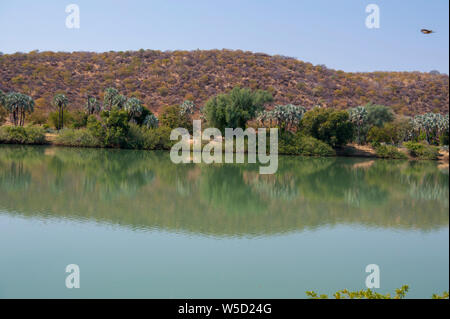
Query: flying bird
[[426, 31]]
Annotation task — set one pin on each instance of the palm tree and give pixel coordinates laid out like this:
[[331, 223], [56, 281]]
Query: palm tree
[[2, 98], [134, 108], [18, 105], [187, 107], [109, 97], [60, 101], [358, 116], [151, 121], [92, 105]]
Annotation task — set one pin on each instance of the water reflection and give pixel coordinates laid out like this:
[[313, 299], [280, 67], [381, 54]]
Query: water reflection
[[143, 190]]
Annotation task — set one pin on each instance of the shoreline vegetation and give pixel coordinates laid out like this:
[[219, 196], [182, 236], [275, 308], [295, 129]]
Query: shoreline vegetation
[[400, 293], [121, 122]]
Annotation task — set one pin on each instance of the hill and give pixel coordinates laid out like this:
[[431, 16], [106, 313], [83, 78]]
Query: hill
[[165, 78]]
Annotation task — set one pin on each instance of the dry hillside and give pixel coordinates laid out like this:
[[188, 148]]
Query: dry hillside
[[160, 78]]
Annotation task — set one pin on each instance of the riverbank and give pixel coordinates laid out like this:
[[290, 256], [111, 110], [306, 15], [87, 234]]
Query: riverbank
[[38, 136]]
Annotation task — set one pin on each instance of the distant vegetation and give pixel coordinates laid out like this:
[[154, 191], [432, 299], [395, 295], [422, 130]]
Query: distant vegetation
[[125, 122], [134, 100], [168, 78], [370, 294]]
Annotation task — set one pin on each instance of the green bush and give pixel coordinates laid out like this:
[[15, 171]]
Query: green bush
[[389, 151], [328, 125], [297, 144], [3, 115], [157, 138], [38, 117], [171, 117], [53, 119], [309, 146], [377, 135], [422, 151], [77, 137], [78, 119], [22, 135]]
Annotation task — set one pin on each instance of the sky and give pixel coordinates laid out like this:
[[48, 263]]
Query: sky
[[329, 32]]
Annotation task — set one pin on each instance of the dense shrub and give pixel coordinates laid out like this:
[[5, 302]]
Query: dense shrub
[[389, 151], [297, 144], [422, 151], [22, 135], [377, 135], [3, 115], [54, 122], [78, 119], [115, 128], [137, 137], [77, 137], [328, 125], [38, 117], [309, 146], [172, 117]]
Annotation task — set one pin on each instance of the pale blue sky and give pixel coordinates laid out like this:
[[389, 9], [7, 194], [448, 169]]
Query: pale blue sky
[[329, 32]]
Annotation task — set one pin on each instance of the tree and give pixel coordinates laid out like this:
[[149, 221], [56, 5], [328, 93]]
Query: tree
[[234, 109], [187, 107], [3, 111], [112, 98], [359, 116], [134, 108], [328, 125], [378, 115], [171, 117], [60, 102], [92, 105], [285, 116], [432, 124], [151, 121], [18, 104]]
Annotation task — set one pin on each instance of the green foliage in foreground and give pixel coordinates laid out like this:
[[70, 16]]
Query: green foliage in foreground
[[136, 137], [22, 135], [422, 151], [361, 294], [369, 294], [77, 137], [297, 144], [389, 151]]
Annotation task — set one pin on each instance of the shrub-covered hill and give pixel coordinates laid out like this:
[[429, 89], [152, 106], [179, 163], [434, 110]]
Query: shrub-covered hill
[[164, 78]]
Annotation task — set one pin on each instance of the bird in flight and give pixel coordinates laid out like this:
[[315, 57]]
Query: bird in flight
[[426, 31]]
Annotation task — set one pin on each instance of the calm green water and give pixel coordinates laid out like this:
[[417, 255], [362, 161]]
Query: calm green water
[[140, 226]]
